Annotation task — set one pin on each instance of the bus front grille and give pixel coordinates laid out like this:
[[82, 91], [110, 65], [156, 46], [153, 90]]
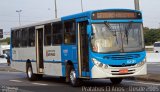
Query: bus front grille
[[122, 65], [122, 57]]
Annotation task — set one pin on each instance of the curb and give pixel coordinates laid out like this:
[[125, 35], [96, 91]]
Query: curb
[[149, 77], [8, 69]]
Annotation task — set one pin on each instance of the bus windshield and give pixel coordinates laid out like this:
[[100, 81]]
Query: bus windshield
[[117, 37]]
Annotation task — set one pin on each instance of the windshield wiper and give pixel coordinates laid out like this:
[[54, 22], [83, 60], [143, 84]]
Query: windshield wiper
[[108, 26], [126, 33], [110, 29], [127, 30]]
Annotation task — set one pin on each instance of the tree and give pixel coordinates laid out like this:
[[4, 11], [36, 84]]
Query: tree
[[6, 40], [151, 35]]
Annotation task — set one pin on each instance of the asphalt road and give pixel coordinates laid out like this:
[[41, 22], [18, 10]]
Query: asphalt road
[[153, 68], [17, 82]]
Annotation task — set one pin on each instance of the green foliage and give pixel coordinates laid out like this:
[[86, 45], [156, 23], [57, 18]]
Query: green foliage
[[151, 36], [6, 40]]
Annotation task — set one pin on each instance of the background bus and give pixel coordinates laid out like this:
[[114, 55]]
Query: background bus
[[156, 47], [105, 43]]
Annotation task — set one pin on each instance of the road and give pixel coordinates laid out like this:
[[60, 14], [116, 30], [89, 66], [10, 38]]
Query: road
[[17, 81], [153, 68]]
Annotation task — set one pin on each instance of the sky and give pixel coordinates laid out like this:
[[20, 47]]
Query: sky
[[40, 10]]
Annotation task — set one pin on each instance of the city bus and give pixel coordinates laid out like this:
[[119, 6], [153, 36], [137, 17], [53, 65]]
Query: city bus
[[97, 44]]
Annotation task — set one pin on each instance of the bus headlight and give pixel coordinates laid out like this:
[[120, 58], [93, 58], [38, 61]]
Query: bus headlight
[[99, 64], [141, 63]]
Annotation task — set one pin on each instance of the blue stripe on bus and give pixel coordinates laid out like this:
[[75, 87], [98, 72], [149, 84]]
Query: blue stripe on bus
[[35, 61], [22, 60]]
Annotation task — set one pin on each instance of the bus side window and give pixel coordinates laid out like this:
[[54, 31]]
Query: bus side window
[[57, 33], [24, 37], [31, 40], [18, 38], [13, 35], [47, 34], [69, 32]]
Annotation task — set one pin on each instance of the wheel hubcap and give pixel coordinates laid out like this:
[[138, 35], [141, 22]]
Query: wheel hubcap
[[73, 76], [29, 72]]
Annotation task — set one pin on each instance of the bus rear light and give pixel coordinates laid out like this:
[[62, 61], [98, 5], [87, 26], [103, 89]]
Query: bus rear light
[[99, 64]]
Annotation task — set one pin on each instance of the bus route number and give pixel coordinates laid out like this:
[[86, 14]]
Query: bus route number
[[131, 61]]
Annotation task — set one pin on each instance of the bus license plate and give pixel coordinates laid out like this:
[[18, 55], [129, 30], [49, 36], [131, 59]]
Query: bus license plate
[[123, 71]]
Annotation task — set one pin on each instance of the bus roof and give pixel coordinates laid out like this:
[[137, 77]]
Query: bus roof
[[36, 24], [157, 42], [73, 16], [88, 13]]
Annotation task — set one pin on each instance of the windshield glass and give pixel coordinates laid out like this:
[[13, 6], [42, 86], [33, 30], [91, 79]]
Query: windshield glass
[[117, 37]]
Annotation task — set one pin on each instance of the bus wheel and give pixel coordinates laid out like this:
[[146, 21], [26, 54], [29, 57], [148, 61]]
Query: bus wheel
[[116, 80], [73, 78], [30, 75]]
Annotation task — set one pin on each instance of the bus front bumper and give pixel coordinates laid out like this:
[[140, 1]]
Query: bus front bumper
[[110, 72]]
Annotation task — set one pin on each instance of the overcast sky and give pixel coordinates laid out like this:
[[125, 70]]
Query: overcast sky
[[41, 10]]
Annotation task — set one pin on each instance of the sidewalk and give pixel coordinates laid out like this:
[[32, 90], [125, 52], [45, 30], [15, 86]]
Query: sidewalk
[[5, 67]]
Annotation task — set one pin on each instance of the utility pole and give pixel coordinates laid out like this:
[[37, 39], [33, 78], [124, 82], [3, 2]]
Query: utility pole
[[19, 14], [136, 3], [82, 5], [55, 4]]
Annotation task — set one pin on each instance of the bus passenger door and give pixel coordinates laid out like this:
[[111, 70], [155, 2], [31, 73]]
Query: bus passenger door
[[39, 48], [83, 49]]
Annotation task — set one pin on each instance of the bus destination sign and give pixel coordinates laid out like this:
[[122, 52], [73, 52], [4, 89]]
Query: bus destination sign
[[116, 15]]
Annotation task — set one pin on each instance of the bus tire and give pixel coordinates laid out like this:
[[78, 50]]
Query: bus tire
[[74, 81], [30, 75], [116, 80]]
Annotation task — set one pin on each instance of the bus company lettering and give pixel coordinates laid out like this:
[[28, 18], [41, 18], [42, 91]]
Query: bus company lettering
[[50, 53], [65, 51]]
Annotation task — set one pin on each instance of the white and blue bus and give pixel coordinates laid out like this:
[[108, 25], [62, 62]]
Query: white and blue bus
[[100, 44]]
